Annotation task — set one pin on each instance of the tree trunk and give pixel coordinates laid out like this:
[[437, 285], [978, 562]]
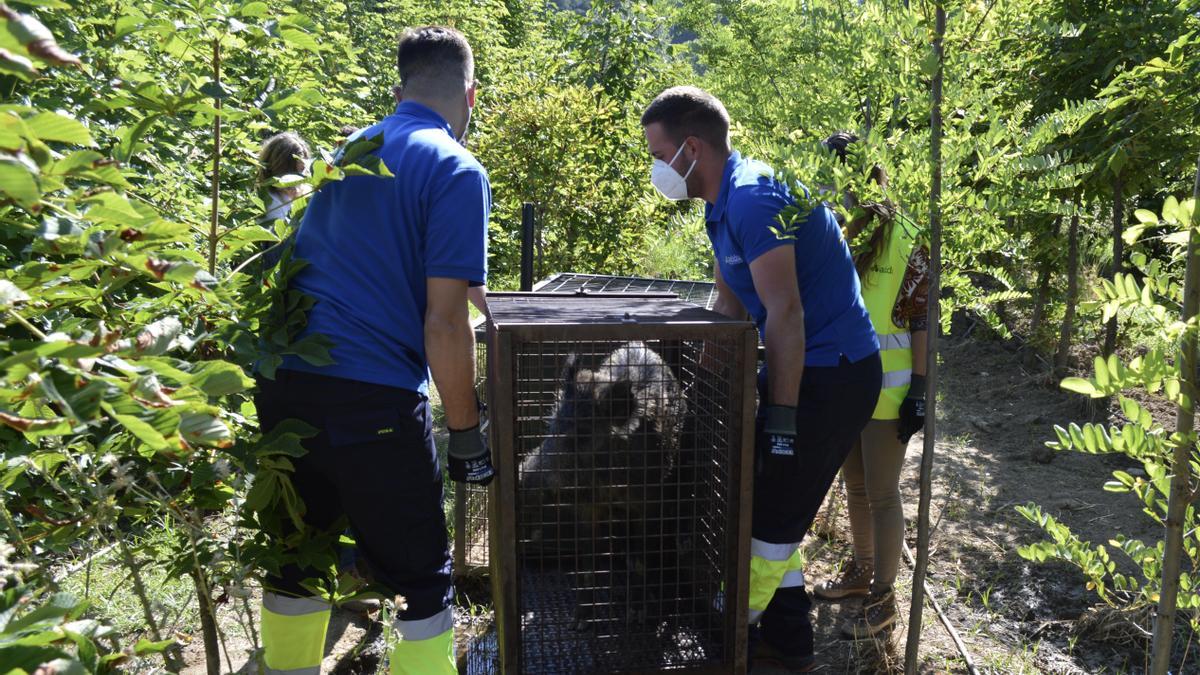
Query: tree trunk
[[912, 647], [208, 624], [1181, 469], [1041, 295], [1118, 265], [1063, 355]]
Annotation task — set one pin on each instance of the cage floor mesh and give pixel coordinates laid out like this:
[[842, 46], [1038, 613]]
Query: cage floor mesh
[[554, 646], [702, 293]]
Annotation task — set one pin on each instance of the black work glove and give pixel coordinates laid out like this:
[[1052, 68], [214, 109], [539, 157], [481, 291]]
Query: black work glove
[[779, 432], [468, 457], [912, 409]]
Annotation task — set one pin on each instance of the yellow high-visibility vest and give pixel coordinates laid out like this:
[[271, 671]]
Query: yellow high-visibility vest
[[880, 288]]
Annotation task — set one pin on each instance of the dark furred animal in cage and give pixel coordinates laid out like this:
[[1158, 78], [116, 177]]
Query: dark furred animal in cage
[[601, 492], [619, 517]]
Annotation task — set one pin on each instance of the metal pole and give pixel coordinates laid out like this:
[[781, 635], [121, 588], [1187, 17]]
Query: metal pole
[[527, 222], [913, 646]]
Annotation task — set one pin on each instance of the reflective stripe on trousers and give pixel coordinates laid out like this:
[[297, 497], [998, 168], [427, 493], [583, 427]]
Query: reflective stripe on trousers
[[293, 634], [771, 565], [426, 646]]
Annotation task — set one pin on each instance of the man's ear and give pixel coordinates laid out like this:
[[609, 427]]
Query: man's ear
[[398, 92], [695, 147], [471, 95]]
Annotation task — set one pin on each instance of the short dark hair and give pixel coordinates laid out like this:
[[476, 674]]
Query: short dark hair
[[432, 58], [689, 111]]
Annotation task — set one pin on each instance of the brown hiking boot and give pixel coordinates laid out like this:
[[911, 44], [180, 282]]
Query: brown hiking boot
[[878, 615], [855, 582]]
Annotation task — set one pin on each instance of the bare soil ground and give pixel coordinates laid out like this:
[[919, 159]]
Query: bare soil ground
[[1013, 615]]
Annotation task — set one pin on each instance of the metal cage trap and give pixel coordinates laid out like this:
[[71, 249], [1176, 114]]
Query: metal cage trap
[[618, 530], [470, 510]]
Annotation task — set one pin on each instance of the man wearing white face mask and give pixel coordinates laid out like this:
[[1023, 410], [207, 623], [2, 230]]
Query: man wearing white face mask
[[822, 374]]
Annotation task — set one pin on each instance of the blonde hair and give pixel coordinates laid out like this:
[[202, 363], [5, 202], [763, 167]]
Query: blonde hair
[[282, 154]]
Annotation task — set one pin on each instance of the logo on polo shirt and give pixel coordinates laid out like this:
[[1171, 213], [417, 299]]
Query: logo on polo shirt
[[733, 260]]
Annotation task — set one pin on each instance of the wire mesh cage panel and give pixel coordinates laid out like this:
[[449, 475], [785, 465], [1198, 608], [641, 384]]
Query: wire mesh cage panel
[[703, 293], [619, 529], [470, 508], [471, 501]]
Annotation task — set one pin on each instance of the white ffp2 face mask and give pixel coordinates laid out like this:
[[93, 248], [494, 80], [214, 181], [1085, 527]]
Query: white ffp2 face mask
[[667, 181]]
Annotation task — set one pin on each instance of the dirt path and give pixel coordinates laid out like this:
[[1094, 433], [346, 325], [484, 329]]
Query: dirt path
[[1014, 616]]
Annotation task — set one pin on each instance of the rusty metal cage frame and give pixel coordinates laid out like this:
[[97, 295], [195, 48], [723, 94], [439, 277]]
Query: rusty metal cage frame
[[653, 318]]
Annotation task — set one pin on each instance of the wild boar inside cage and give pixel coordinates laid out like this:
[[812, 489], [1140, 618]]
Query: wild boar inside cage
[[620, 528], [470, 508]]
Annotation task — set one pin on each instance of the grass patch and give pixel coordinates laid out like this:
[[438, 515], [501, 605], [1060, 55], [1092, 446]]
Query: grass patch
[[107, 584]]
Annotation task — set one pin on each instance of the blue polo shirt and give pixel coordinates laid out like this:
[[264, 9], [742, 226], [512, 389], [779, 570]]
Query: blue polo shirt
[[739, 225], [371, 243]]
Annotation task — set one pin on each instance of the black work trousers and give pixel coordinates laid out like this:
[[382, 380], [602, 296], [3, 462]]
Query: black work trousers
[[835, 404], [373, 461]]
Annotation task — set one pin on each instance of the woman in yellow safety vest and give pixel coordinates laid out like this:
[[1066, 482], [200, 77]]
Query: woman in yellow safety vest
[[893, 268]]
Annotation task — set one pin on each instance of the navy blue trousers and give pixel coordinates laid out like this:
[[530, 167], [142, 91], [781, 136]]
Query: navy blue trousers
[[375, 465], [835, 404]]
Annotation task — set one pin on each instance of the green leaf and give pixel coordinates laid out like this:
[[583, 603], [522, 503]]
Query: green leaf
[[216, 90], [1077, 438], [205, 429], [145, 646], [1101, 367], [929, 63], [127, 24], [19, 658], [304, 98], [1064, 439], [10, 294], [80, 159], [1170, 211], [300, 39], [1171, 388], [48, 126], [1117, 161], [18, 182], [129, 137], [1132, 234], [141, 430], [1089, 438], [1081, 386], [1146, 217], [255, 10], [220, 378], [314, 349], [56, 608]]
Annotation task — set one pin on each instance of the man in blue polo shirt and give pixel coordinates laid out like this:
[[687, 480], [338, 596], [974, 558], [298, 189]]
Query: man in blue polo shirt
[[822, 374], [390, 262]]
